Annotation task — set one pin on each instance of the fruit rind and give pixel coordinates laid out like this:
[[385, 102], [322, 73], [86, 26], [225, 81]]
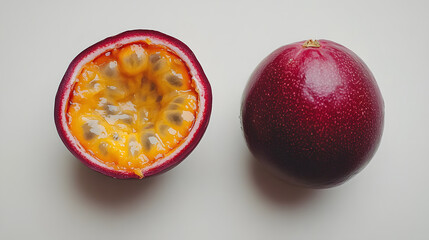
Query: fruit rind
[[202, 87], [275, 97]]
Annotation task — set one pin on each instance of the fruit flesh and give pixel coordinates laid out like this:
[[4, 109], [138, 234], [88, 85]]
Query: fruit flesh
[[132, 106]]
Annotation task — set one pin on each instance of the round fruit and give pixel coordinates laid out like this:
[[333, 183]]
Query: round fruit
[[133, 105], [313, 112]]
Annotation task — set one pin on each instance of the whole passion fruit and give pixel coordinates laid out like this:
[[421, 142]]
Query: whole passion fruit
[[133, 105], [312, 111]]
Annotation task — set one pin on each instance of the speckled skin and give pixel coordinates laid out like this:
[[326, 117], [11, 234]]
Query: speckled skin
[[314, 115], [203, 88]]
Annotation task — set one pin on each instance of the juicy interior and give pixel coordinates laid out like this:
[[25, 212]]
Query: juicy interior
[[132, 106]]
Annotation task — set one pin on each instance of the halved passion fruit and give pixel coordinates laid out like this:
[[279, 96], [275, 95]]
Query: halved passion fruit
[[133, 105]]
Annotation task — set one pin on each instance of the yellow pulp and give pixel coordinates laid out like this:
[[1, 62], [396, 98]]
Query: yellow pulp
[[132, 106]]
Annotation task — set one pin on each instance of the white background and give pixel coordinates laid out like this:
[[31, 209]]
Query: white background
[[219, 191]]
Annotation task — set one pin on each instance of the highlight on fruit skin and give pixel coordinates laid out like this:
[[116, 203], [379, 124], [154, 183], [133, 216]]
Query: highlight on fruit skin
[[133, 105], [312, 112]]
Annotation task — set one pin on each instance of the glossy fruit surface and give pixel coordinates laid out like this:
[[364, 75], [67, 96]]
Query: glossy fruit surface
[[312, 111], [133, 105]]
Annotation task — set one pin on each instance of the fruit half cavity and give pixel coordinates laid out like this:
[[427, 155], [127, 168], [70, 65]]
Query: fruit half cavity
[[133, 105]]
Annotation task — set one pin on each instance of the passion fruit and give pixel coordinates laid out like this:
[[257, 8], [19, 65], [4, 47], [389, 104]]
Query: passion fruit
[[133, 105], [312, 112]]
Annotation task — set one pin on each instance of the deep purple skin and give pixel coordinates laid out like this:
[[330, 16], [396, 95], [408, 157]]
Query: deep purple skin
[[114, 41], [313, 115]]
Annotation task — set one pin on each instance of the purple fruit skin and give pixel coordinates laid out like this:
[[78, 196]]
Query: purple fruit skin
[[314, 115]]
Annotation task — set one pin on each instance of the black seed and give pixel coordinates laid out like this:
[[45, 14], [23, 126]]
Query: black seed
[[152, 86], [175, 118], [115, 92], [103, 148], [143, 80], [174, 80], [173, 106], [133, 60], [154, 58], [163, 128], [157, 66], [88, 135], [147, 144], [158, 99], [146, 141], [127, 119], [109, 70], [179, 100]]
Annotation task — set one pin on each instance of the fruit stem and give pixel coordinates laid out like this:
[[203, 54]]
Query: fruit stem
[[311, 43]]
